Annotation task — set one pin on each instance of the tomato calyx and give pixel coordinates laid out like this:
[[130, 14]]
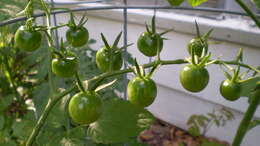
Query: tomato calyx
[[140, 71], [200, 43], [150, 42], [142, 90], [64, 62], [231, 88], [72, 24], [109, 57]]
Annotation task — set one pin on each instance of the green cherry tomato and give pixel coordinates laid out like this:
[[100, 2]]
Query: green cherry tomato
[[85, 108], [27, 40], [103, 60], [141, 91], [230, 90], [175, 2], [77, 36], [194, 78], [147, 44], [197, 45], [65, 67]]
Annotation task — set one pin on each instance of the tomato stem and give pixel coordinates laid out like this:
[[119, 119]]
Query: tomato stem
[[249, 12], [81, 87], [244, 124], [51, 103]]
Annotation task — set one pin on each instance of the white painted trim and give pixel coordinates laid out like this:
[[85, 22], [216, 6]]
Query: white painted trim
[[236, 30]]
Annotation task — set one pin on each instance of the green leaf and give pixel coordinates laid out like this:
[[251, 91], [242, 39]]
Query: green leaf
[[194, 130], [22, 129], [119, 122], [257, 3], [2, 121], [5, 102], [175, 2], [210, 143], [195, 3], [248, 85]]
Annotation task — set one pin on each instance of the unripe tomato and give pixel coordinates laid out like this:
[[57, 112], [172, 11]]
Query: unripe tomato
[[77, 36], [230, 90], [147, 44], [27, 40], [65, 67], [85, 108], [175, 2], [194, 78], [141, 91], [103, 60], [197, 45]]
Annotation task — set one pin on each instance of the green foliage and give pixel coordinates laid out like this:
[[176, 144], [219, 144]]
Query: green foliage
[[247, 86], [200, 124], [9, 8], [29, 72], [210, 143], [193, 3], [118, 126]]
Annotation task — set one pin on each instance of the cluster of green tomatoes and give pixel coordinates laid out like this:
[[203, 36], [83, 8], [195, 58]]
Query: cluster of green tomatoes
[[86, 106]]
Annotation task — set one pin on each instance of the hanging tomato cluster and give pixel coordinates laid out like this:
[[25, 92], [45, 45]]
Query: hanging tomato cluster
[[86, 106]]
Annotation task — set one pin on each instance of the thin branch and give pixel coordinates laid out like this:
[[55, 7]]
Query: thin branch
[[249, 12]]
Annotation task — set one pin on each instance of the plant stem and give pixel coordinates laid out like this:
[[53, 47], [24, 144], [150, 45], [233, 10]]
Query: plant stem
[[249, 12], [244, 124], [81, 87], [14, 87], [51, 103]]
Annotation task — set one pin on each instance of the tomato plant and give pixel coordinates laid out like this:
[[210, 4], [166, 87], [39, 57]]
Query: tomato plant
[[27, 40], [109, 58], [77, 35], [151, 42], [65, 65], [194, 78], [141, 90], [230, 90], [85, 108]]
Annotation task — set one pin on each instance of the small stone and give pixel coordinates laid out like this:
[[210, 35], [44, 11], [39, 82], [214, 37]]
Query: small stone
[[146, 135]]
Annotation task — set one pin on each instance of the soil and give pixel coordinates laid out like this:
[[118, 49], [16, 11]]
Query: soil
[[165, 134]]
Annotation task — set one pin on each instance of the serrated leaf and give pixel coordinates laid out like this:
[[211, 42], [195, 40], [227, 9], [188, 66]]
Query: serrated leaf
[[119, 121], [202, 120], [22, 129], [195, 3], [248, 85]]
